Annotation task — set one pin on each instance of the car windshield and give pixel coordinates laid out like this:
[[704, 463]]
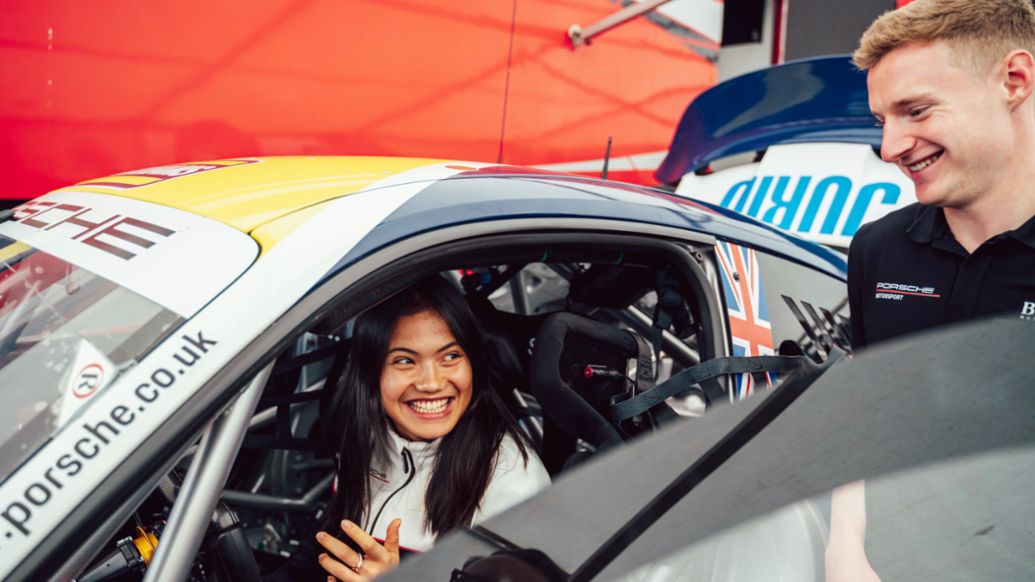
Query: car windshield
[[65, 335]]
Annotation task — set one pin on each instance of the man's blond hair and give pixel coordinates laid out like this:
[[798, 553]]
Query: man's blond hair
[[980, 32]]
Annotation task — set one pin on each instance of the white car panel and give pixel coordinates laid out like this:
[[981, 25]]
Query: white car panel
[[820, 191]]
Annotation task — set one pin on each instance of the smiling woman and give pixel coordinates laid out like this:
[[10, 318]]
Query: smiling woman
[[425, 443]]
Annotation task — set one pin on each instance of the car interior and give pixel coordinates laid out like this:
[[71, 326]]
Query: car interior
[[573, 330]]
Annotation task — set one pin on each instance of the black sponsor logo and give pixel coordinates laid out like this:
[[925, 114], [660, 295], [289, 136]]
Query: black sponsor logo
[[115, 234]]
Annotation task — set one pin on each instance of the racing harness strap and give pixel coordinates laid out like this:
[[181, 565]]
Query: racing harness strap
[[668, 310], [284, 439], [286, 373], [704, 375], [646, 371], [755, 422]]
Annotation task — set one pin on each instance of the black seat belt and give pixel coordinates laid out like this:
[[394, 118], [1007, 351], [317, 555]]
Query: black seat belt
[[283, 439], [670, 300], [702, 374], [646, 372], [755, 422], [287, 373]]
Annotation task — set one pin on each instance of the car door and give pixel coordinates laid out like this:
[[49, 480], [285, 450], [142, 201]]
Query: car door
[[686, 489]]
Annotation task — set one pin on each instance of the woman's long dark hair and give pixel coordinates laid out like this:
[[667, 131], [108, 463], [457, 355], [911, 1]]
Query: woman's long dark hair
[[357, 425]]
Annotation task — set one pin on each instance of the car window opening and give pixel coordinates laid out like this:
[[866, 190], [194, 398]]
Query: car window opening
[[571, 331]]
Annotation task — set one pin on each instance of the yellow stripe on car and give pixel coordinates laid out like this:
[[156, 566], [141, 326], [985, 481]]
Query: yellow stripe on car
[[249, 192]]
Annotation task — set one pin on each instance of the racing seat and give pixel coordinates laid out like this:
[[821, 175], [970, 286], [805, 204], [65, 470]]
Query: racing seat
[[508, 337], [578, 367]]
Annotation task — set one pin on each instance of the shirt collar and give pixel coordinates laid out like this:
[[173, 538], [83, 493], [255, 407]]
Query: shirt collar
[[418, 449], [929, 225], [1025, 233]]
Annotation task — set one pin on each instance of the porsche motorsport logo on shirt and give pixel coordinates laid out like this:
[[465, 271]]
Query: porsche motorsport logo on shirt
[[899, 291]]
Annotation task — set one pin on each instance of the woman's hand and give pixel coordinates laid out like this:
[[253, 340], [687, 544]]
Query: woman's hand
[[343, 563]]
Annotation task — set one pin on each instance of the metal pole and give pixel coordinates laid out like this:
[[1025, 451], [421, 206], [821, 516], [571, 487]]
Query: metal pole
[[517, 291], [196, 501], [307, 503], [580, 36], [671, 344]]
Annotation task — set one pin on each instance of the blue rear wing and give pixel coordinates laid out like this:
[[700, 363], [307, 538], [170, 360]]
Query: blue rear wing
[[820, 99]]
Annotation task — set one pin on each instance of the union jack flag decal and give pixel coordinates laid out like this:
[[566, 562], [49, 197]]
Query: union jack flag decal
[[750, 329]]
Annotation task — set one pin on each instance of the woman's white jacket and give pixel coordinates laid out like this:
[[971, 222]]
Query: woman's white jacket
[[398, 487]]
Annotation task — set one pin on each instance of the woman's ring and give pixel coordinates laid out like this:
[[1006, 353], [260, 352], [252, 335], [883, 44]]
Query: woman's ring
[[358, 565]]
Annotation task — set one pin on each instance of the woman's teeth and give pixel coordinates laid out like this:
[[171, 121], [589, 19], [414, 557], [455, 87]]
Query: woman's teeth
[[429, 406], [924, 163]]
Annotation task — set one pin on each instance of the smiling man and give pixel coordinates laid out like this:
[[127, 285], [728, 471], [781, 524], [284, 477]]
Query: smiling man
[[950, 82]]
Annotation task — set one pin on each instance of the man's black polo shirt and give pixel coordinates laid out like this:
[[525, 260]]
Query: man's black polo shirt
[[907, 272]]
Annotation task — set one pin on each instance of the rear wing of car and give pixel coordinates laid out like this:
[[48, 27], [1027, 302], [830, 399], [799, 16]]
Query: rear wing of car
[[821, 99]]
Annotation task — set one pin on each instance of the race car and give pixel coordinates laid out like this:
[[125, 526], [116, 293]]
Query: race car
[[166, 336], [794, 146]]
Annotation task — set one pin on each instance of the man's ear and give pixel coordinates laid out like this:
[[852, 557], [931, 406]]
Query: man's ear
[[1020, 77]]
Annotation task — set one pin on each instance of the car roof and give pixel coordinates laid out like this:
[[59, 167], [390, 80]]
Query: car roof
[[269, 197], [502, 193], [247, 192]]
